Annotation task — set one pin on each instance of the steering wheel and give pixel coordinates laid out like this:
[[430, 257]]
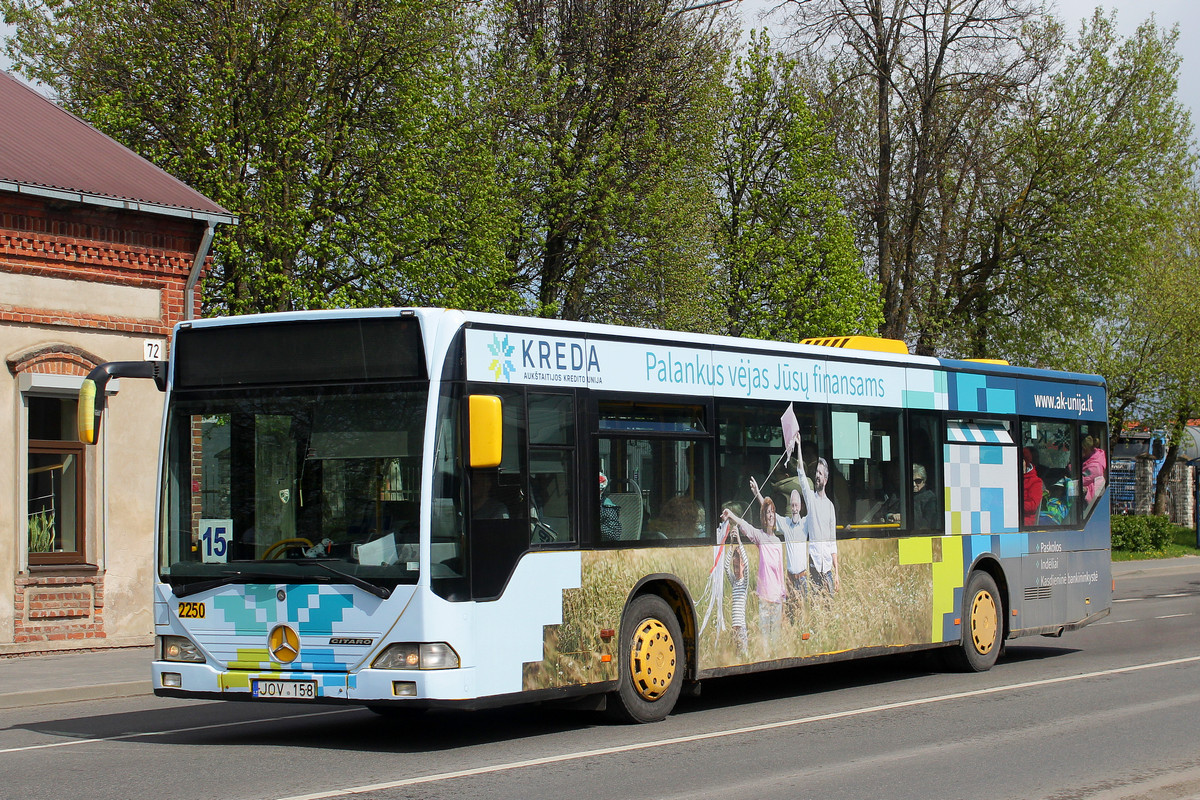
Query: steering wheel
[[283, 545]]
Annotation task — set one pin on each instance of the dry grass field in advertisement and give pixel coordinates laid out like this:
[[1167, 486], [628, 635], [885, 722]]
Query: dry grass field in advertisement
[[879, 603]]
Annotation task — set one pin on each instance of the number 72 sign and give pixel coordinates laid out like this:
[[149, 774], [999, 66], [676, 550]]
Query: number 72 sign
[[216, 536]]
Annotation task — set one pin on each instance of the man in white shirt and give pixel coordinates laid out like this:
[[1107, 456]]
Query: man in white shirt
[[822, 525]]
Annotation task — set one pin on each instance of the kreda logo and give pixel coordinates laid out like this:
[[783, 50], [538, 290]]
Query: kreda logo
[[500, 365]]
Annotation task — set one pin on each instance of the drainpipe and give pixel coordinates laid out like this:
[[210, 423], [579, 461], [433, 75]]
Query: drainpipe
[[189, 300]]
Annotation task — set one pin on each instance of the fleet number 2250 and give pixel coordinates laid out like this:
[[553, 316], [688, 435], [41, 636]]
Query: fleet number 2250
[[191, 610]]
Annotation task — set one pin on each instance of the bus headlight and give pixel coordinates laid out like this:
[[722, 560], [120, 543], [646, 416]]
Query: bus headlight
[[427, 655], [177, 648]]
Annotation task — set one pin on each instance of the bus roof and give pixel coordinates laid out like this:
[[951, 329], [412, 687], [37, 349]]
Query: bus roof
[[434, 318]]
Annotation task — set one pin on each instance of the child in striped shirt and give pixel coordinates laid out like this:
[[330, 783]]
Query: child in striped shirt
[[736, 569]]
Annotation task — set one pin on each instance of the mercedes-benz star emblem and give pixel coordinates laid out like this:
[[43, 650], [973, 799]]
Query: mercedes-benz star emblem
[[284, 644]]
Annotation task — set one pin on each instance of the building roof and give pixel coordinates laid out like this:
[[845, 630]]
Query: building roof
[[49, 152]]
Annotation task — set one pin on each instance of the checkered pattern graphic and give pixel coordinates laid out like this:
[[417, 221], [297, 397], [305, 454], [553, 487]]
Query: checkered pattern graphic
[[248, 612], [312, 608], [316, 611], [534, 596], [978, 479], [926, 389], [946, 565], [978, 432], [991, 393]]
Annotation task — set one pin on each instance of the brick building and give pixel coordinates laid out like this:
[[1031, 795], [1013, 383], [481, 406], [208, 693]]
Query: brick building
[[100, 255]]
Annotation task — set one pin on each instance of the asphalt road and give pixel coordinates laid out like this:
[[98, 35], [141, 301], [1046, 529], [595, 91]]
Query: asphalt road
[[1109, 712]]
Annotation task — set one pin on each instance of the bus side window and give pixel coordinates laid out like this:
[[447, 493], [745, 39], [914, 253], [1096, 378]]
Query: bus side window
[[926, 460], [498, 518], [1093, 454], [867, 448], [1049, 459], [654, 482], [448, 544], [551, 468]]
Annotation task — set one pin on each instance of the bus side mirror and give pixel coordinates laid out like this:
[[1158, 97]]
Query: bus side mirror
[[87, 414], [92, 393], [486, 427]]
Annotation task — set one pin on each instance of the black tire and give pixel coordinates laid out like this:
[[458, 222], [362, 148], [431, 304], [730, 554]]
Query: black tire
[[982, 625], [651, 661]]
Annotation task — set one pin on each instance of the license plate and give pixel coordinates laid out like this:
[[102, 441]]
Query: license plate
[[290, 690]]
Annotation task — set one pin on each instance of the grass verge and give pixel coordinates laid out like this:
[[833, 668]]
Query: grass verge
[[1183, 544]]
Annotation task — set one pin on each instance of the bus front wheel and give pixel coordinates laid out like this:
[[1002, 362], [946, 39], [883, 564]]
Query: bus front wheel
[[651, 668], [982, 625]]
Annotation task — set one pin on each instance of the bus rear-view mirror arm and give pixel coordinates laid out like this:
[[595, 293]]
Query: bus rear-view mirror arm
[[92, 392]]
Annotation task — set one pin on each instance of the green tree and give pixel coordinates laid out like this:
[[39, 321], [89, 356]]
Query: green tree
[[606, 111], [339, 133], [910, 84], [1096, 165], [1149, 348], [1003, 180], [788, 267]]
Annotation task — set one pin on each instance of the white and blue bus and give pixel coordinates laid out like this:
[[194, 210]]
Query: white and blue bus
[[415, 508]]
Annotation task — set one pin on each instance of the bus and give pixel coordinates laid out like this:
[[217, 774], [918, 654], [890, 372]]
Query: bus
[[420, 508]]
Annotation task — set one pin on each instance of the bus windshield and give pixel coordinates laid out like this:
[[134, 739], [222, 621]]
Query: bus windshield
[[293, 485], [1130, 448]]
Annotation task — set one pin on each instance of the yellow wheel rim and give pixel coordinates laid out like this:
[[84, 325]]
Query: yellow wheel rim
[[983, 622], [652, 659]]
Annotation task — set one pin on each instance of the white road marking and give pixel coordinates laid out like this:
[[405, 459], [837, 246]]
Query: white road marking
[[1172, 616], [1154, 597], [604, 751]]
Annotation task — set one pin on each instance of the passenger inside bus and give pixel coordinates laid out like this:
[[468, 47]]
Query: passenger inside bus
[[680, 519], [1095, 464], [925, 502], [485, 501], [1031, 486], [1056, 505]]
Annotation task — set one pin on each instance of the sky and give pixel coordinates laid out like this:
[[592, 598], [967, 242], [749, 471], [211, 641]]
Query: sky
[[1130, 13]]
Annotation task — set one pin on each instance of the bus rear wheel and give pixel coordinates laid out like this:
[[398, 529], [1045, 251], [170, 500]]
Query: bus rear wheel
[[982, 625], [651, 668]]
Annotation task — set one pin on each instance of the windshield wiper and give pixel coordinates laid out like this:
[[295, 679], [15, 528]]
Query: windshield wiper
[[185, 589], [233, 576], [382, 592]]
